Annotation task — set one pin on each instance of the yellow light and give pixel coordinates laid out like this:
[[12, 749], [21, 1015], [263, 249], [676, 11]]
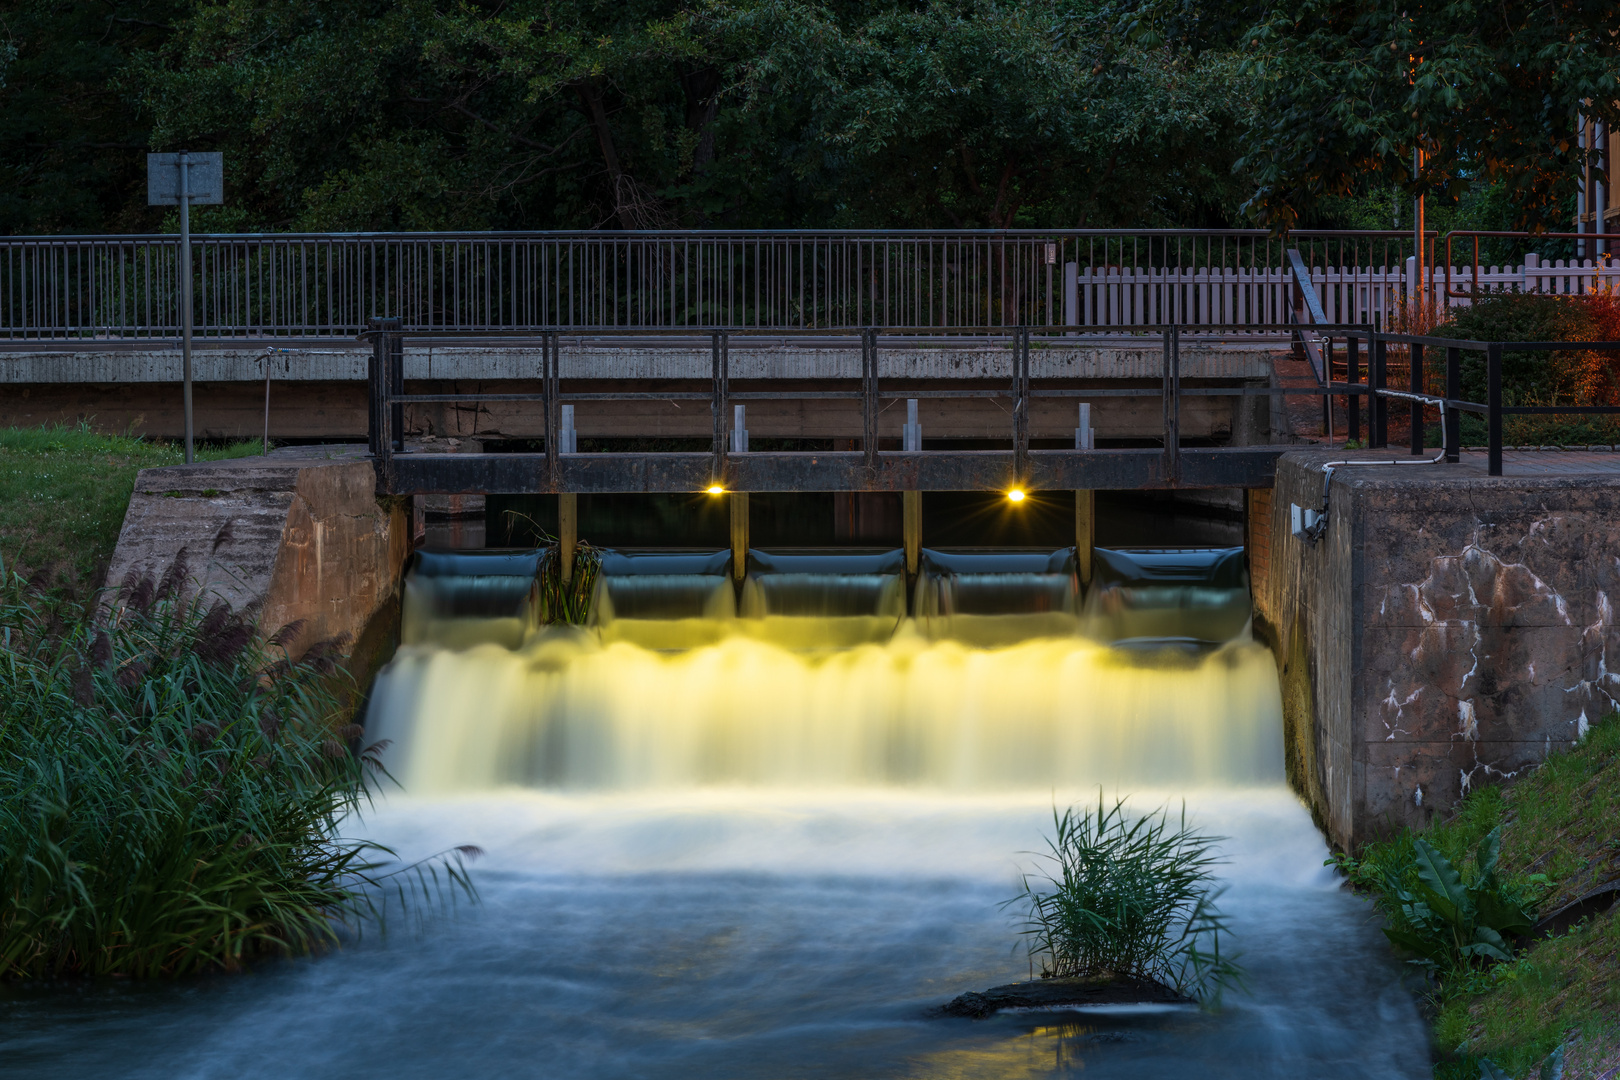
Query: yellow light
[[1016, 495], [716, 489]]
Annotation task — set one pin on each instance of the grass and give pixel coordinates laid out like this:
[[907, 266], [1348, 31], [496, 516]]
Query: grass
[[1131, 898], [64, 490], [1560, 839], [172, 789]]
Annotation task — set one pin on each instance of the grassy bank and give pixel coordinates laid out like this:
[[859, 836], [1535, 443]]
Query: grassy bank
[[64, 490], [1555, 999]]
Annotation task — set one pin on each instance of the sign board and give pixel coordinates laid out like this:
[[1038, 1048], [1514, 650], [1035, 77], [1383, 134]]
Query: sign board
[[205, 179]]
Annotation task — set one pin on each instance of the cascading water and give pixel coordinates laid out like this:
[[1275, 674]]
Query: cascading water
[[762, 831]]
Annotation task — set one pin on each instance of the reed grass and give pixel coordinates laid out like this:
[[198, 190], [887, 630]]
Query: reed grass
[[172, 788], [1131, 897]]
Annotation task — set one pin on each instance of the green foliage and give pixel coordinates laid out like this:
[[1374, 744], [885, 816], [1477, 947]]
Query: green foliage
[[171, 791], [1344, 92], [1128, 897], [1450, 925], [1573, 377], [570, 602], [64, 491]]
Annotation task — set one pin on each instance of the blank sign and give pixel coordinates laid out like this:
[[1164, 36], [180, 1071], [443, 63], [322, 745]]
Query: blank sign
[[205, 179]]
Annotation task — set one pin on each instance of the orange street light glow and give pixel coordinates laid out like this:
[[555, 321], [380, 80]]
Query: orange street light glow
[[1016, 495], [716, 489]]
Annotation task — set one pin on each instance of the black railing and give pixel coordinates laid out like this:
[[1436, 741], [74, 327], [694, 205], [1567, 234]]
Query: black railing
[[1449, 400]]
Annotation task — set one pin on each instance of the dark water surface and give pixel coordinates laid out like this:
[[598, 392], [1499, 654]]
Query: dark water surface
[[747, 934]]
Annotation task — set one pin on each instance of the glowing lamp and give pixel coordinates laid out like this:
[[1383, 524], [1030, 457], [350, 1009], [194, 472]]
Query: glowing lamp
[[716, 489], [1015, 495]]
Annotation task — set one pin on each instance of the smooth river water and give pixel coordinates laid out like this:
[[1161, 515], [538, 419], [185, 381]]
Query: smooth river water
[[742, 860]]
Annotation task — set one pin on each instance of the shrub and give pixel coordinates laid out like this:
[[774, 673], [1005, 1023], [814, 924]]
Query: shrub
[[1130, 898], [171, 790], [1447, 924], [1573, 377]]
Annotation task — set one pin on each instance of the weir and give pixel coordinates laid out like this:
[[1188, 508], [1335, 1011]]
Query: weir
[[996, 673]]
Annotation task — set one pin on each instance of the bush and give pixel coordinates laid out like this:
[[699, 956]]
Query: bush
[[1575, 377], [1128, 898], [171, 790]]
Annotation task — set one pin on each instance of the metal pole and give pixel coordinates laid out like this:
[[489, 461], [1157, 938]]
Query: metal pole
[[1493, 403], [1453, 417], [1352, 375], [1415, 385], [185, 298]]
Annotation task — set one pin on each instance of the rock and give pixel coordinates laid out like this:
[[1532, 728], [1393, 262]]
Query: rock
[[1064, 993]]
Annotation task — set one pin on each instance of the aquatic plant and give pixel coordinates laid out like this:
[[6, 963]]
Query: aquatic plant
[[1132, 897], [568, 602], [171, 789]]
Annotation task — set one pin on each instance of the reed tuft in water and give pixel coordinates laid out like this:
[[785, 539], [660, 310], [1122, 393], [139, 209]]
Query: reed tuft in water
[[1131, 898], [171, 788]]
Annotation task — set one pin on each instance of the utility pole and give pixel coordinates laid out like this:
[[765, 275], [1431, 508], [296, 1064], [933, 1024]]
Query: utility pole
[[184, 179]]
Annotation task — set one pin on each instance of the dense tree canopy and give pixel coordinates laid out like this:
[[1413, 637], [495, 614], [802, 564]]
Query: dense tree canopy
[[446, 114]]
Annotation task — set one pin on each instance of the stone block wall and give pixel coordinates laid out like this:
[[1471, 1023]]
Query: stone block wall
[[1448, 630]]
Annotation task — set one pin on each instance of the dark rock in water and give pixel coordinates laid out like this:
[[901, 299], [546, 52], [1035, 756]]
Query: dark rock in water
[[1064, 993]]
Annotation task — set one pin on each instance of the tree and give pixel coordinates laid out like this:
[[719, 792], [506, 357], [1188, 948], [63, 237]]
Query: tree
[[1490, 92], [978, 113]]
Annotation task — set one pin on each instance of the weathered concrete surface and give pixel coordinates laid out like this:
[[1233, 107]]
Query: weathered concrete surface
[[300, 535], [632, 360], [319, 392], [1449, 629]]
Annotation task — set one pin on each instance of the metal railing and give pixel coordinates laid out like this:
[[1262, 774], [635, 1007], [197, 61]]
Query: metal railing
[[120, 288], [1448, 399], [388, 397]]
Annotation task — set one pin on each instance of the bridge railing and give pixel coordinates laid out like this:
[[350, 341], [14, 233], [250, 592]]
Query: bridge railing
[[330, 285]]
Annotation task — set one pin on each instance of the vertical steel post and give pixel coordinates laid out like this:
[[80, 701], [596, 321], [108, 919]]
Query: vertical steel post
[[1493, 403], [1085, 532], [396, 382], [551, 389], [1453, 424], [1172, 404], [1378, 379], [1415, 384], [1352, 376], [911, 529], [1021, 406], [720, 362], [185, 299], [567, 534], [739, 534], [869, 397], [375, 365]]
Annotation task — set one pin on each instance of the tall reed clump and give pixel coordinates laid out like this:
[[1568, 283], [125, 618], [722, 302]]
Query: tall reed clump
[[1128, 897], [570, 601], [171, 790]]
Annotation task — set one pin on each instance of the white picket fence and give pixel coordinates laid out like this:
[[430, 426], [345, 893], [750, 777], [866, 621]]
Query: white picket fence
[[1142, 296]]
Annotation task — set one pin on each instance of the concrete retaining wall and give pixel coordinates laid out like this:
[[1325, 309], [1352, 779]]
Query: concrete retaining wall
[[1448, 630], [298, 536]]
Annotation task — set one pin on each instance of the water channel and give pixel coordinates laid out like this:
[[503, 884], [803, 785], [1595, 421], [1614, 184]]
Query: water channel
[[764, 832]]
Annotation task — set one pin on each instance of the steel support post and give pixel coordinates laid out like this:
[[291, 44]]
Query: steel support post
[[1172, 404], [1493, 403], [185, 301], [1453, 422], [567, 534], [1415, 385], [1378, 407], [739, 533], [1020, 390], [551, 389], [1352, 376], [911, 529], [869, 397], [720, 362], [1085, 532]]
